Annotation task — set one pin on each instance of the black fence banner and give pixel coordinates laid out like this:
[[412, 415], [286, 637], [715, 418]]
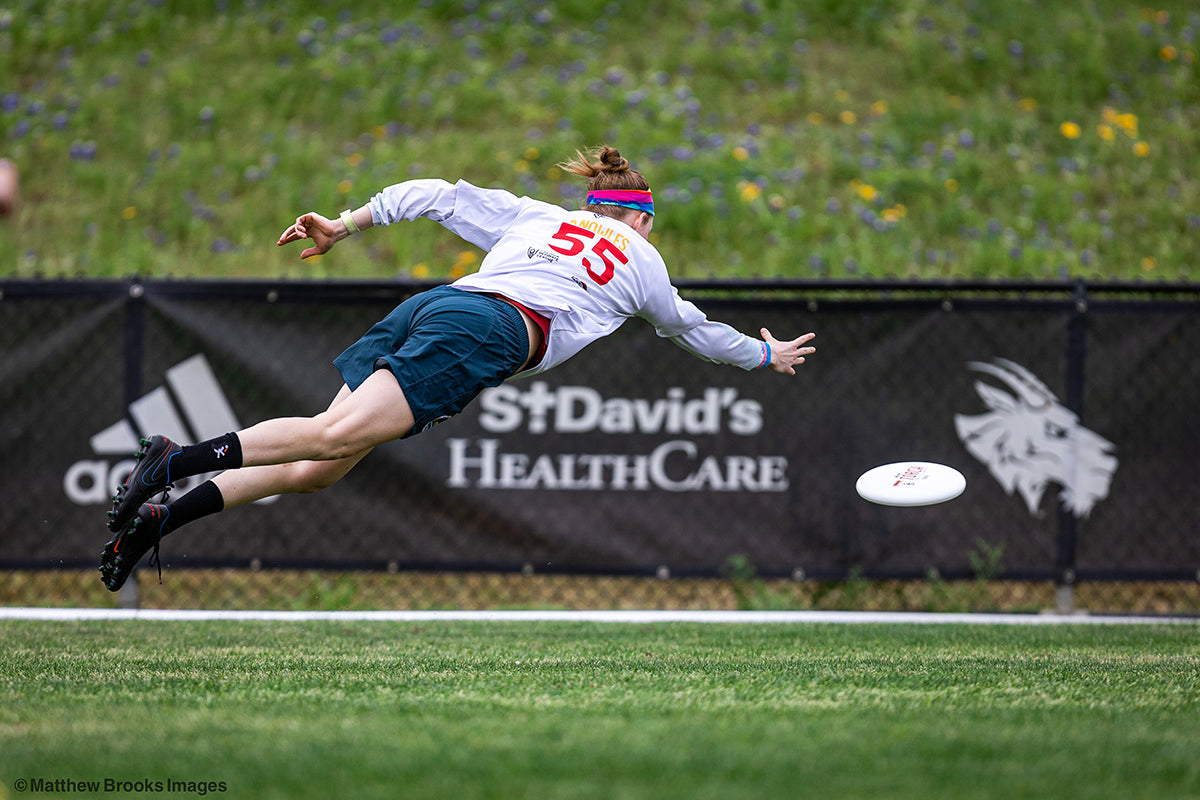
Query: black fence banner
[[1072, 418]]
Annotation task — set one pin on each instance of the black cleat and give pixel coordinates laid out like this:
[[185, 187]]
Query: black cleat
[[126, 549], [150, 477]]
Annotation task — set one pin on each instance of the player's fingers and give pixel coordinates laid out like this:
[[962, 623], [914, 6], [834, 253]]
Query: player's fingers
[[301, 226]]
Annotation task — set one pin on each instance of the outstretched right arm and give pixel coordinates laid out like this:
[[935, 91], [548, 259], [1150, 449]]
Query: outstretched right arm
[[721, 343], [687, 326]]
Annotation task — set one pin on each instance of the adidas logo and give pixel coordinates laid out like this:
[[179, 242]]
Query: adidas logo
[[190, 408]]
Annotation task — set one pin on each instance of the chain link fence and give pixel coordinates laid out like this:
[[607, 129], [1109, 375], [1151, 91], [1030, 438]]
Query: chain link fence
[[238, 589], [633, 476]]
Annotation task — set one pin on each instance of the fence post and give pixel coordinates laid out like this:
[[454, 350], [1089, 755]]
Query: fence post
[[134, 346], [1067, 522]]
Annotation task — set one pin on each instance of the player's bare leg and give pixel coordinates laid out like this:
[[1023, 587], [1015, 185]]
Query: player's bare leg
[[374, 413], [245, 485], [287, 455]]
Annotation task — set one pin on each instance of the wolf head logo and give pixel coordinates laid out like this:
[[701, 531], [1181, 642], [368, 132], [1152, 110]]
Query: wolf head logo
[[1028, 439]]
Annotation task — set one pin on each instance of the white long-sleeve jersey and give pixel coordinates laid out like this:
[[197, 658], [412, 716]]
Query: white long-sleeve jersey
[[585, 272]]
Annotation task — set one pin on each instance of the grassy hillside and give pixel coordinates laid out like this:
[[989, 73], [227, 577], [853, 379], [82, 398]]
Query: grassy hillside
[[887, 137]]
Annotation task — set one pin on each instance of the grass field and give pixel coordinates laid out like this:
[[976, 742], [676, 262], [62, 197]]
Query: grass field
[[577, 710], [885, 137]]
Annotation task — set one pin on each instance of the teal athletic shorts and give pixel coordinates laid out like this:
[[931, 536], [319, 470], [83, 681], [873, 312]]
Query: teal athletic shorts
[[444, 346]]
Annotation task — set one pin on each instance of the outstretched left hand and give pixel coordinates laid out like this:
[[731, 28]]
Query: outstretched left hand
[[785, 356], [321, 231]]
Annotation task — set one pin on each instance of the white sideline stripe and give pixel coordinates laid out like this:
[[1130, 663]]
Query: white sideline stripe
[[638, 617]]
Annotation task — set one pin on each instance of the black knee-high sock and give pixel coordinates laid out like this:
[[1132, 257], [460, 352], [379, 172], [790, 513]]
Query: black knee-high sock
[[223, 452], [202, 501]]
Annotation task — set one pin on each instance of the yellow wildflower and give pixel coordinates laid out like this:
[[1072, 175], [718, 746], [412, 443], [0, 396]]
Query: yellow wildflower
[[741, 153], [1069, 130], [848, 117], [1141, 149], [749, 191], [1105, 132]]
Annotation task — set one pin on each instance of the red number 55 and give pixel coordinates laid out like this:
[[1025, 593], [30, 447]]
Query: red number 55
[[576, 239]]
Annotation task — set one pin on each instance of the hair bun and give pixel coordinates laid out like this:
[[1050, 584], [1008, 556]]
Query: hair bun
[[604, 168], [611, 158]]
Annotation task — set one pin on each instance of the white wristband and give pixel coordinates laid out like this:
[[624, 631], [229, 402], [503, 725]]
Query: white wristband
[[347, 219]]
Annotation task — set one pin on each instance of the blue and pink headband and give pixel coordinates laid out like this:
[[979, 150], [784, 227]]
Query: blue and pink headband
[[638, 199]]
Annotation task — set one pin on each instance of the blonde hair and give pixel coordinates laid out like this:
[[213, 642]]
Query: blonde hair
[[605, 168]]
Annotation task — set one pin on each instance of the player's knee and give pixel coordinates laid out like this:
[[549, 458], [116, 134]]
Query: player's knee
[[337, 439], [312, 476]]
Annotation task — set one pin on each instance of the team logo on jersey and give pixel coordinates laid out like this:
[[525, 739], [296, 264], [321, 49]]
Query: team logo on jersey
[[538, 254]]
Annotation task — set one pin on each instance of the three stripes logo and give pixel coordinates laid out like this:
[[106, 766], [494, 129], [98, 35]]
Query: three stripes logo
[[190, 408]]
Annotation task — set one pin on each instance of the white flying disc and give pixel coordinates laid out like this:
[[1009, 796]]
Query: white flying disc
[[911, 483]]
